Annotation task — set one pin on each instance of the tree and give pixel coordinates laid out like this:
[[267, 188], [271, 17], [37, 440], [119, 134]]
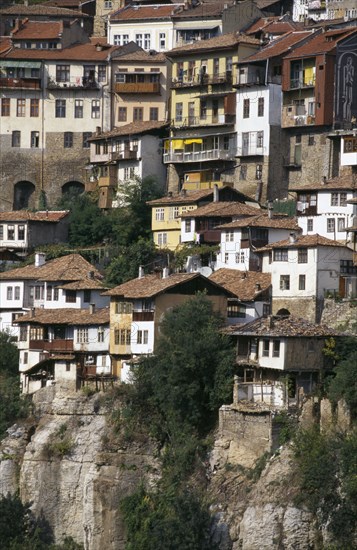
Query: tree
[[9, 354], [344, 384], [125, 266]]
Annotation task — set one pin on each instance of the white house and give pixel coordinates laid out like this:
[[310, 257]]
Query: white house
[[58, 346], [66, 282], [324, 208], [241, 237], [304, 270]]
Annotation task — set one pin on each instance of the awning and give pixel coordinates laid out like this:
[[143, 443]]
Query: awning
[[177, 143], [22, 64], [190, 26], [194, 140]]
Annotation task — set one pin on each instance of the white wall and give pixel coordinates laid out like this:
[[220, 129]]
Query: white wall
[[140, 349], [92, 345], [154, 28]]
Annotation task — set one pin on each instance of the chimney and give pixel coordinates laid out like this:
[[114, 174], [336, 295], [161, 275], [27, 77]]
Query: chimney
[[292, 238], [169, 194], [98, 129], [165, 273], [215, 193], [183, 192], [158, 273], [323, 180], [141, 272], [91, 308], [40, 259], [33, 312], [90, 274], [244, 275], [257, 287], [271, 321], [270, 209]]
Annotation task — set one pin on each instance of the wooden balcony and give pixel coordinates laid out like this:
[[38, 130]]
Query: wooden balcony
[[137, 87], [22, 83], [143, 315], [210, 236], [127, 154], [54, 345]]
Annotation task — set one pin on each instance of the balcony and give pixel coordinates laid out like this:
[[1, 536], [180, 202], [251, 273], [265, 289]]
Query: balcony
[[206, 120], [143, 316], [210, 236], [294, 115], [20, 83], [127, 154], [187, 81], [297, 83], [54, 345], [251, 150], [84, 82], [137, 87], [198, 156]]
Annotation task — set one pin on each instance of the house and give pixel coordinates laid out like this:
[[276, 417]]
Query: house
[[63, 348], [21, 231], [167, 211], [241, 237], [203, 110], [269, 28], [55, 92], [252, 291], [304, 270], [66, 282], [140, 85], [138, 307], [324, 208], [122, 155], [279, 359]]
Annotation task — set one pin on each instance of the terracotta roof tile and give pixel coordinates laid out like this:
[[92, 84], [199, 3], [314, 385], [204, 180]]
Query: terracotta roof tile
[[303, 241], [142, 12], [132, 128], [321, 43], [143, 57], [50, 216], [348, 182], [150, 285], [63, 3], [72, 267], [273, 25], [42, 9], [229, 40], [279, 46], [221, 209], [66, 316], [84, 284], [263, 220], [283, 327], [38, 30], [190, 197], [203, 11], [244, 284]]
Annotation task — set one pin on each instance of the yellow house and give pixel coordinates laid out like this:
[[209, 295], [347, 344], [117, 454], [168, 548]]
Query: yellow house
[[203, 110]]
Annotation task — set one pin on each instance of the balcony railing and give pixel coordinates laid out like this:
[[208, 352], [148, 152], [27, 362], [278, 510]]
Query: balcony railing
[[127, 154], [186, 81], [198, 156], [203, 121], [251, 150], [296, 116], [28, 83], [77, 82], [54, 345], [137, 87], [143, 315], [210, 236], [301, 83]]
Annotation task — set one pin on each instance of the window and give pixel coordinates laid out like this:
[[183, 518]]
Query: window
[[159, 214], [9, 293], [226, 258], [229, 63], [5, 106], [298, 138], [121, 39], [68, 140], [281, 255], [216, 66], [311, 140], [71, 296], [1, 232], [147, 41], [17, 293], [138, 113], [102, 73], [203, 109], [260, 106], [260, 139], [284, 282], [237, 257], [162, 40], [235, 309], [258, 171], [34, 107], [95, 108], [178, 112], [187, 226], [21, 232], [266, 346], [35, 139], [302, 256], [123, 307], [26, 357], [276, 348], [23, 334], [49, 293], [100, 334], [21, 107], [246, 108], [123, 337], [341, 224], [108, 4], [122, 114], [343, 199], [334, 199], [143, 337], [229, 236], [62, 73], [154, 113], [302, 282], [347, 267], [139, 40], [82, 336], [86, 296], [310, 224], [162, 239], [78, 108], [55, 294], [10, 232], [60, 110], [38, 292], [330, 225], [85, 138], [243, 172]]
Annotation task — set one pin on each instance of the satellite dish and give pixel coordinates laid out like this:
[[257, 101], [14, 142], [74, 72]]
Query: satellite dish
[[205, 271]]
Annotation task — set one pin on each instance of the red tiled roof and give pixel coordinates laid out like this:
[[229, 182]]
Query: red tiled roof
[[263, 220], [190, 197], [63, 3], [142, 12], [321, 43], [143, 57], [286, 326], [348, 182], [65, 316], [203, 11], [41, 9], [303, 241], [229, 40], [38, 30], [279, 46], [132, 128], [41, 216], [221, 210], [246, 285], [273, 25]]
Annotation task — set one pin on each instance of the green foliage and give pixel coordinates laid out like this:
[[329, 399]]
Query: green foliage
[[60, 444], [255, 472], [287, 427], [205, 251], [344, 386], [126, 265], [9, 355], [327, 470]]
